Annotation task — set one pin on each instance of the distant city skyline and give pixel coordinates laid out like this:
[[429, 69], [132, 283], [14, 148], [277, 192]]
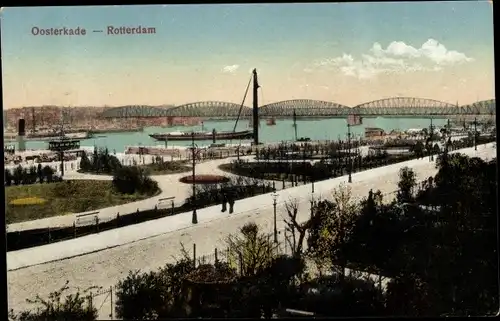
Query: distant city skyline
[[348, 53]]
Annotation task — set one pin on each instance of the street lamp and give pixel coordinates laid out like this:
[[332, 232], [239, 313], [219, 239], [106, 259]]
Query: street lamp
[[475, 133], [312, 203], [274, 195], [194, 150], [431, 136], [349, 143]]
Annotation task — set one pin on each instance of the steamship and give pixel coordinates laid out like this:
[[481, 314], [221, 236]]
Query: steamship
[[244, 134], [214, 135]]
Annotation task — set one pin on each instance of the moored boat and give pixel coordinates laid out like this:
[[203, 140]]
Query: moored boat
[[244, 134]]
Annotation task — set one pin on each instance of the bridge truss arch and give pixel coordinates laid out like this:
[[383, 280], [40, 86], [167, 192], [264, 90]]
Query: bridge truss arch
[[484, 107], [303, 108], [407, 106], [136, 111], [208, 109]]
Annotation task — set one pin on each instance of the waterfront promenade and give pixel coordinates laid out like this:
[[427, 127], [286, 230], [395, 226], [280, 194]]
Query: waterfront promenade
[[149, 245]]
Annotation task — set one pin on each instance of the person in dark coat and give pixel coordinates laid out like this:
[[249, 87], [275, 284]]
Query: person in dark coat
[[224, 202], [231, 204]]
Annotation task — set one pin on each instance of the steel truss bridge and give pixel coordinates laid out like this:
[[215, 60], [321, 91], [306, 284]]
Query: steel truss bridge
[[397, 106]]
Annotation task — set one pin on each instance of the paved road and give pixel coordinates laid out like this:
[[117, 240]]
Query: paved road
[[152, 244]]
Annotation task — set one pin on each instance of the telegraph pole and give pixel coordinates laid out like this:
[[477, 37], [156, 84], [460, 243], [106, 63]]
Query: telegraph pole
[[195, 215]]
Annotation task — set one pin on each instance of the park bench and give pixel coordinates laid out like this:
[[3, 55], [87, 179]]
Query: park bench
[[166, 202], [86, 219]]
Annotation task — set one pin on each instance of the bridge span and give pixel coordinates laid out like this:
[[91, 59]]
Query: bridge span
[[396, 106]]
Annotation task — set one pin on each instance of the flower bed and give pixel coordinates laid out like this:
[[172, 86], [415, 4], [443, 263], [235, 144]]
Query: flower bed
[[28, 201], [204, 179]]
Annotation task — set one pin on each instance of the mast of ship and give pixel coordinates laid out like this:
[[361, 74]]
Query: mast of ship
[[255, 109], [244, 98], [33, 127], [295, 123]]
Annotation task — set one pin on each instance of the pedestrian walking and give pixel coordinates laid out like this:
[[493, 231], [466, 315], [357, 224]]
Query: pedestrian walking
[[224, 202], [231, 204]]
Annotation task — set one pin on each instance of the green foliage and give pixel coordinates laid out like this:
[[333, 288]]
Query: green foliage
[[406, 185], [418, 149], [153, 295], [253, 249], [442, 256], [85, 164], [29, 175], [331, 229], [132, 179], [75, 306], [101, 162], [161, 167], [336, 297]]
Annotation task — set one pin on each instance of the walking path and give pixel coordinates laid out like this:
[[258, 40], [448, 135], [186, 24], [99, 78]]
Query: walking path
[[149, 245]]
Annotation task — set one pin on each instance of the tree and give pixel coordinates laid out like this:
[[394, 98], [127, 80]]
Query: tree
[[406, 185], [76, 306], [8, 177], [154, 295], [294, 227], [25, 177], [48, 173], [95, 160], [130, 180], [252, 250], [332, 228], [32, 175], [409, 296], [85, 164], [419, 149], [17, 177], [39, 173]]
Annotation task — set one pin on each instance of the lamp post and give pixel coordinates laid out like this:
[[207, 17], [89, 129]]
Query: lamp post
[[349, 143], [431, 135], [312, 199], [475, 133], [194, 154], [274, 195], [312, 204]]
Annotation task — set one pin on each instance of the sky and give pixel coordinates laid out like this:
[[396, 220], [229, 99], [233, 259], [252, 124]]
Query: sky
[[348, 53]]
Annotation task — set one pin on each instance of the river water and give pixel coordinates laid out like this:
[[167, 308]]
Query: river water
[[320, 129]]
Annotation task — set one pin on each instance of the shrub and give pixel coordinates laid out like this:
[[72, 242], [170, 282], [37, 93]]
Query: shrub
[[153, 295], [102, 162], [130, 180], [204, 179], [74, 307]]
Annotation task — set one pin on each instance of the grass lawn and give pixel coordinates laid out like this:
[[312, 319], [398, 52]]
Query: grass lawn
[[45, 200]]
